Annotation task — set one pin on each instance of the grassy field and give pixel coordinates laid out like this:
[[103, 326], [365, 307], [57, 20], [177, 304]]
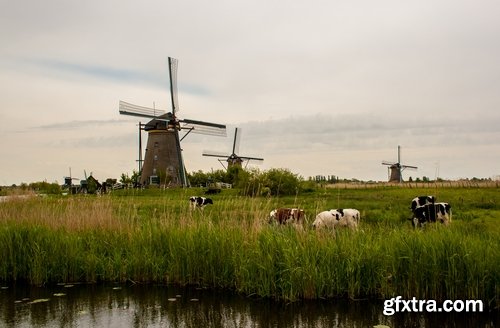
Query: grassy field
[[152, 236]]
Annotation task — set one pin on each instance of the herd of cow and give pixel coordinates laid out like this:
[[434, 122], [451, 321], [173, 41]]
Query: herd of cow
[[424, 209]]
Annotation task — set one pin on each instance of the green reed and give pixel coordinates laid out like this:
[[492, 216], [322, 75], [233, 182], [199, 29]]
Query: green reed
[[154, 237]]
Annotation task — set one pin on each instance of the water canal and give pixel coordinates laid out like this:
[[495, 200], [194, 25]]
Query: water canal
[[81, 305]]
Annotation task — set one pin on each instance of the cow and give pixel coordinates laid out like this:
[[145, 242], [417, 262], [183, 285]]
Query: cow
[[199, 202], [421, 201], [437, 212], [325, 219], [347, 217], [283, 216]]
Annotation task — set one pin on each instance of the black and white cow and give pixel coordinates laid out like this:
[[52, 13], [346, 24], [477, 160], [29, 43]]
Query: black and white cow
[[199, 202], [347, 217], [421, 201], [437, 212]]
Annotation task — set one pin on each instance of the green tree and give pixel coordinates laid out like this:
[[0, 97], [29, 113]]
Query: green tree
[[273, 182], [198, 178], [282, 182], [126, 179]]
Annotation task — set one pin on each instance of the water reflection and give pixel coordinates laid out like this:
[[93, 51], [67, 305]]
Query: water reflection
[[162, 306]]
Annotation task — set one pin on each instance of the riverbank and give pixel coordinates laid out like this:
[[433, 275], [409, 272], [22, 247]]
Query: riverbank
[[154, 237]]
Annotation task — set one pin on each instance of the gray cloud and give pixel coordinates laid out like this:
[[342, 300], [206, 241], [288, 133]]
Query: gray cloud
[[97, 142], [338, 80], [368, 132], [70, 125]]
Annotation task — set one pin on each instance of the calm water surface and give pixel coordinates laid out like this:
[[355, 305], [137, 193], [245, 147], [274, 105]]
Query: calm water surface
[[82, 305]]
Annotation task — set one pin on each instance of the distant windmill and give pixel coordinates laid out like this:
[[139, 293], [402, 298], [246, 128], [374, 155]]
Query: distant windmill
[[163, 156], [234, 159], [395, 169]]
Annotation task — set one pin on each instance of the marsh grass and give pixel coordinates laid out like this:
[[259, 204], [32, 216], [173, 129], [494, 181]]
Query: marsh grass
[[154, 237]]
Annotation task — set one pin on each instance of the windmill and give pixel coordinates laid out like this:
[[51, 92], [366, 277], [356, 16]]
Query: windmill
[[395, 169], [163, 158], [68, 181], [233, 159]]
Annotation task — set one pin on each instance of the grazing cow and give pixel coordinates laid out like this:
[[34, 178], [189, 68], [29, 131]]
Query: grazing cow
[[432, 213], [347, 217], [199, 202], [287, 215], [298, 215], [325, 219], [421, 201]]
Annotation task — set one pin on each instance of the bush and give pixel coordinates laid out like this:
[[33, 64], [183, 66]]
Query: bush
[[252, 182], [282, 182], [45, 187], [273, 182]]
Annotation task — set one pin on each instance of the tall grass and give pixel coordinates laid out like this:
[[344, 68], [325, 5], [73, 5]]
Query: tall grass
[[145, 237]]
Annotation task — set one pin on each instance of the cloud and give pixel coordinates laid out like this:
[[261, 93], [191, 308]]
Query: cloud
[[368, 131], [121, 75], [330, 87], [353, 146], [70, 125], [98, 142], [157, 78]]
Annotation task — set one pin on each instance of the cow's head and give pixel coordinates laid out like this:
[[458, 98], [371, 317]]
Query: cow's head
[[444, 215], [414, 222]]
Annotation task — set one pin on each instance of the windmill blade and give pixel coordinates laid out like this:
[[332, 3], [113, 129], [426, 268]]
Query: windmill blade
[[255, 159], [388, 163], [214, 154], [409, 167], [134, 110], [236, 142], [202, 127], [172, 69]]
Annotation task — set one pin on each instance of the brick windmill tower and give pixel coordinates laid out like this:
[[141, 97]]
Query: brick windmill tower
[[163, 162]]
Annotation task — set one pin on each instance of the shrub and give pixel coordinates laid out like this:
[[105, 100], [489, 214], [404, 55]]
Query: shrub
[[45, 187], [273, 182]]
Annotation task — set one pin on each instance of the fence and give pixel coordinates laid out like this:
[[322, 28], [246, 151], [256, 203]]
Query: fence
[[409, 185]]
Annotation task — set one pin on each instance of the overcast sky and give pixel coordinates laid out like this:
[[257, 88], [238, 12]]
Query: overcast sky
[[318, 87]]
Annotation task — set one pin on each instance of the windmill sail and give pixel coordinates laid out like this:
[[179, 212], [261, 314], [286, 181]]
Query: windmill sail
[[202, 127], [214, 154], [172, 64], [233, 158], [236, 142], [256, 159], [140, 111]]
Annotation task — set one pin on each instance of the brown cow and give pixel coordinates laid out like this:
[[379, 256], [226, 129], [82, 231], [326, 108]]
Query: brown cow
[[286, 215]]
